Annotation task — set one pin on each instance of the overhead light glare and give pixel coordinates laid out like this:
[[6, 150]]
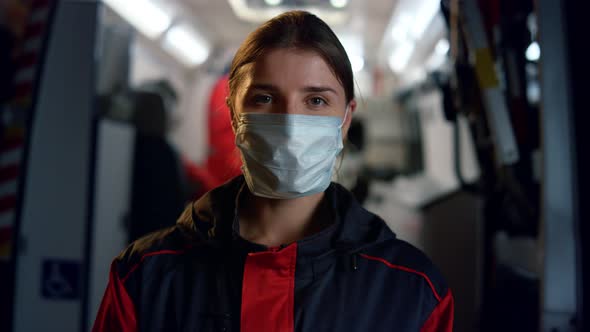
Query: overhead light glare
[[398, 33], [186, 45], [273, 2], [357, 62], [144, 15], [442, 46], [244, 11], [354, 50], [533, 52], [426, 12], [339, 3], [401, 56]]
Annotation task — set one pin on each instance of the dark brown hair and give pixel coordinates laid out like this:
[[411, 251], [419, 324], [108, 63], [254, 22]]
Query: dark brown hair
[[293, 29]]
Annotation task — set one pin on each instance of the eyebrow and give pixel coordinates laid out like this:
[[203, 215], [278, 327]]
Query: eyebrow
[[270, 87], [319, 89]]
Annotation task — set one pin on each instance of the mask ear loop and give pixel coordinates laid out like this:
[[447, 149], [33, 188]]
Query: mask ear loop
[[341, 154], [345, 116]]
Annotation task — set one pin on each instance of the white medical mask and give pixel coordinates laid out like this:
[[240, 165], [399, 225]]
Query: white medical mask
[[288, 155]]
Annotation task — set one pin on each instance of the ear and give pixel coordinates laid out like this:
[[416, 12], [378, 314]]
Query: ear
[[346, 125], [232, 117]]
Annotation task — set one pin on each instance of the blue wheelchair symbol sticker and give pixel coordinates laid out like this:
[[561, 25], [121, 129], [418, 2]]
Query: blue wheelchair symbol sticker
[[60, 279]]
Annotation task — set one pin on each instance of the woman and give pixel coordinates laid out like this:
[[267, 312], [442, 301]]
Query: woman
[[280, 248]]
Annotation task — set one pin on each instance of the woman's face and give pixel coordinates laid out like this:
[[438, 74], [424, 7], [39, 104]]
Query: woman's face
[[292, 81]]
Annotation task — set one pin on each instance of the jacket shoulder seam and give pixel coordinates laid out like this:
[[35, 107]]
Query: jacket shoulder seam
[[405, 269], [150, 254]]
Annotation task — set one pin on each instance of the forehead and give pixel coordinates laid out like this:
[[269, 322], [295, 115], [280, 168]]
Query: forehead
[[293, 68]]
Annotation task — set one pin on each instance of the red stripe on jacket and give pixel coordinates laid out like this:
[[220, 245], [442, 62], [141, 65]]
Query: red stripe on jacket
[[117, 312], [268, 291], [441, 318], [407, 269]]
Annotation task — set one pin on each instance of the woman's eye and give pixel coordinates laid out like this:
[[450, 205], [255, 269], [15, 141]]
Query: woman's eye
[[262, 99], [317, 101]]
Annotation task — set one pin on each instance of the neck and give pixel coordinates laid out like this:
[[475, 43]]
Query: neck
[[275, 222]]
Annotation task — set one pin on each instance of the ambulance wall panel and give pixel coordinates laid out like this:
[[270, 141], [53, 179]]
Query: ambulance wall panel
[[49, 279]]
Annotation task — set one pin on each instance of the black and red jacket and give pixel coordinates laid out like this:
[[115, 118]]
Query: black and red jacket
[[200, 275]]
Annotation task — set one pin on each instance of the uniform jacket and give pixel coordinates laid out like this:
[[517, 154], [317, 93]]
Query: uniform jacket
[[200, 275]]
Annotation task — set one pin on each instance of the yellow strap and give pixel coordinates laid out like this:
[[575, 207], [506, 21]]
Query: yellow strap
[[484, 67]]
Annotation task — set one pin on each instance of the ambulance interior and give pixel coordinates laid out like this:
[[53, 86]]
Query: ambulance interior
[[455, 143]]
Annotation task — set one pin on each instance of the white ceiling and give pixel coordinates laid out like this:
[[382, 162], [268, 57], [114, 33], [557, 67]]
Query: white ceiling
[[370, 22], [216, 20]]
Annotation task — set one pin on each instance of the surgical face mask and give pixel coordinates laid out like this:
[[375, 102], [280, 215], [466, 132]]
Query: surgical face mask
[[288, 155]]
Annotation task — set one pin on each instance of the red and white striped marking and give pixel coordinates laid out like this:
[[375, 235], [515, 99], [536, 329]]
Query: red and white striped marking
[[12, 144], [10, 161]]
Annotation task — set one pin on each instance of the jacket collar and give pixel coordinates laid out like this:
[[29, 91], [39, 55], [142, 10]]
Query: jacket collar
[[215, 217]]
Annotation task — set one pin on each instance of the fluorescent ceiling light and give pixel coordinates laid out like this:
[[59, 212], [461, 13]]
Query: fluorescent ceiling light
[[404, 19], [273, 2], [357, 62], [423, 16], [533, 52], [354, 50], [401, 56], [339, 3], [186, 45], [258, 15], [407, 28], [442, 47], [144, 15], [399, 31]]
